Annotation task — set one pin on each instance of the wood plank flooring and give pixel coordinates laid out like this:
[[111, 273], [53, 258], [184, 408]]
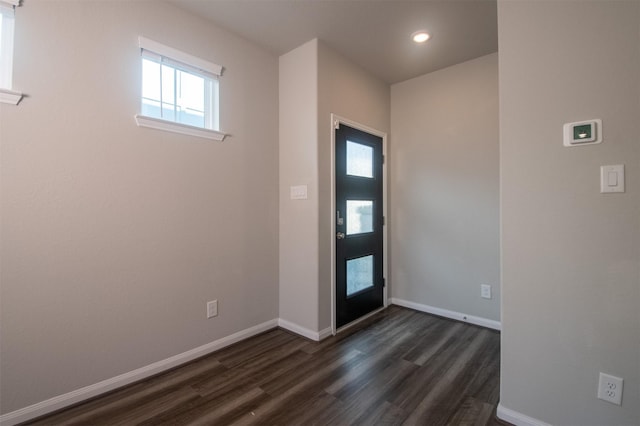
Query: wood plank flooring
[[399, 367]]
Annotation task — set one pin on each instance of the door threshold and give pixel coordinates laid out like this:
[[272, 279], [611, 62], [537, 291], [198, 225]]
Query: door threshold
[[359, 320]]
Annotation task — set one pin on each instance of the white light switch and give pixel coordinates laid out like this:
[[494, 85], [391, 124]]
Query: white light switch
[[485, 291], [612, 178], [298, 192]]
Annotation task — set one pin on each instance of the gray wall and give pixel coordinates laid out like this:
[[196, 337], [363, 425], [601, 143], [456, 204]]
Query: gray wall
[[570, 255], [444, 188], [114, 236], [298, 151]]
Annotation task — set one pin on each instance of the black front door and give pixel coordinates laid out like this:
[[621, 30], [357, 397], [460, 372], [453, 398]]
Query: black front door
[[359, 224]]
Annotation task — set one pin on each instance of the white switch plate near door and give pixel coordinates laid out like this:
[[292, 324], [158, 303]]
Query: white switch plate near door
[[298, 192], [485, 291], [612, 178]]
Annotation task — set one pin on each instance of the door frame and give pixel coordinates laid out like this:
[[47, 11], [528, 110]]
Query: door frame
[[336, 120]]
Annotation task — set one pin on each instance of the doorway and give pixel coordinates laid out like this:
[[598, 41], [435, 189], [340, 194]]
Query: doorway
[[359, 287]]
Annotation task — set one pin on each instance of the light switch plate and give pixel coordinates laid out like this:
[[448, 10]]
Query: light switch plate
[[298, 192], [612, 178], [485, 291]]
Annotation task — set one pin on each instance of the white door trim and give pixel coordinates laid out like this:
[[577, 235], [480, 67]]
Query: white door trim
[[336, 120]]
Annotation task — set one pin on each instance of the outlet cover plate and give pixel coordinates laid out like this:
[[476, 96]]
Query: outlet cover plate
[[212, 309], [610, 388]]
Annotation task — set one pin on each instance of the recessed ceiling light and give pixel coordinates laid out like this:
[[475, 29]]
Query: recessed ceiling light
[[420, 36]]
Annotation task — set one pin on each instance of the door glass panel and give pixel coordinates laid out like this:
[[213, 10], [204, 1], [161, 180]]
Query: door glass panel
[[359, 160], [359, 216], [359, 274]]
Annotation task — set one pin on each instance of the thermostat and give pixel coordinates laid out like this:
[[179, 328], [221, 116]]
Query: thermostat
[[582, 133]]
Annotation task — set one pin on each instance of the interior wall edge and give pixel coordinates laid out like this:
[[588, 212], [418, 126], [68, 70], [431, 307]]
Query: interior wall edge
[[303, 331]]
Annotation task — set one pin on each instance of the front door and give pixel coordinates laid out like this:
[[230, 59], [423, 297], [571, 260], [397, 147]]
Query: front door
[[359, 224]]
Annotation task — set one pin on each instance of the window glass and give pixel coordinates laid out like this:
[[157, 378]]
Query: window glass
[[359, 160], [179, 88], [6, 45], [359, 274], [359, 216], [175, 94]]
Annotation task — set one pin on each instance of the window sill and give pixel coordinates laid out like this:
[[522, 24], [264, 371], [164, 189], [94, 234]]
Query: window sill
[[170, 126], [10, 97]]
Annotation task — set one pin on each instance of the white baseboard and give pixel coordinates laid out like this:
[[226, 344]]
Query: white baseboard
[[79, 395], [516, 418], [323, 334], [484, 322], [303, 331]]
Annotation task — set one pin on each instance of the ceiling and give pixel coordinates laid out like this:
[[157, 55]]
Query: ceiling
[[374, 34]]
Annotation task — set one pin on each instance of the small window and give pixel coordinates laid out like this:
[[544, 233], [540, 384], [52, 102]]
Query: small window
[[359, 160], [179, 92], [7, 20], [359, 216], [360, 274]]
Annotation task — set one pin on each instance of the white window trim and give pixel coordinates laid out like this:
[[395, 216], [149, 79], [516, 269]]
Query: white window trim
[[188, 61], [177, 55], [9, 96], [185, 129]]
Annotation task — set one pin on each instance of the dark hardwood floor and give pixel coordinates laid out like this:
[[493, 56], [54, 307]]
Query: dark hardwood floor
[[398, 367]]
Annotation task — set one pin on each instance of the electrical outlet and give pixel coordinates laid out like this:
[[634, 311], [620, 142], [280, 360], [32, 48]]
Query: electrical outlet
[[485, 291], [212, 309], [610, 388]]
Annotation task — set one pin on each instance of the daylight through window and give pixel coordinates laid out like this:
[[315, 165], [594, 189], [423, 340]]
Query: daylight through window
[[6, 43], [178, 88]]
